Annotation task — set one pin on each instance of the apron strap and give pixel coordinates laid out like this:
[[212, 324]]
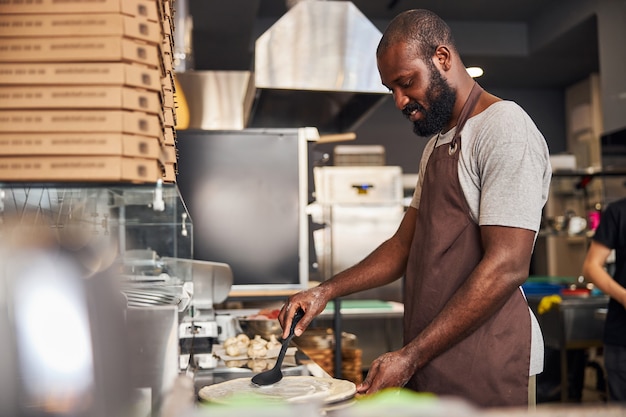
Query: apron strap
[[467, 109]]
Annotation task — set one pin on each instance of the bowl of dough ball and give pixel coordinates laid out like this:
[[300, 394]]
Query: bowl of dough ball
[[264, 324]]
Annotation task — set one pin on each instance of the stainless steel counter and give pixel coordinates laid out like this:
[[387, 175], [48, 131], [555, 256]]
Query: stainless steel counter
[[357, 309], [573, 323]]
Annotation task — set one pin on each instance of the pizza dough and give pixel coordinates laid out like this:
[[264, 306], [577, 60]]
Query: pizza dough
[[291, 389]]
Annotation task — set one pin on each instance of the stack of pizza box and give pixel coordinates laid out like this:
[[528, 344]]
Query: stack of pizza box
[[87, 91]]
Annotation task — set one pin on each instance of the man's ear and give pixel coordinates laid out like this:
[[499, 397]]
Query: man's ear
[[443, 57]]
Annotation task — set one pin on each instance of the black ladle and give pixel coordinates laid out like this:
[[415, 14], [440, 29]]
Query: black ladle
[[275, 374]]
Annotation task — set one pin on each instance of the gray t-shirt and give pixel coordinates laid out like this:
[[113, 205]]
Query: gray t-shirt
[[505, 172]]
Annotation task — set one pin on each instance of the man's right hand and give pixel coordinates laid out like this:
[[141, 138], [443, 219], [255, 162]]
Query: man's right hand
[[311, 301]]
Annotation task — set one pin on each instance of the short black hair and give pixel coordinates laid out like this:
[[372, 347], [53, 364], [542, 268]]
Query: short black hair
[[422, 30]]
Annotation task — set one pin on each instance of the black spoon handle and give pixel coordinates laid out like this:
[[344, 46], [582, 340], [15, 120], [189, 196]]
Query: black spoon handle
[[292, 331], [296, 319]]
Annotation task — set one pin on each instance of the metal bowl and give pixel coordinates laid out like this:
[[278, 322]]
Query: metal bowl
[[262, 327]]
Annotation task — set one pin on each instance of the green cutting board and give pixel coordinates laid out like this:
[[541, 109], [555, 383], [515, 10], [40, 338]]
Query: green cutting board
[[361, 304]]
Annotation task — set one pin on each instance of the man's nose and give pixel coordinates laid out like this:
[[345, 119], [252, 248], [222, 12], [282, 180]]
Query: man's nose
[[401, 100]]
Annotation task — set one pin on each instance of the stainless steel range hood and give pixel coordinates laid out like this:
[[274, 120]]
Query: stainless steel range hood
[[316, 66], [217, 100]]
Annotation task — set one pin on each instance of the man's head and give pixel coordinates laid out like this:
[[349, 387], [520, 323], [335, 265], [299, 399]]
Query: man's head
[[422, 30], [414, 56]]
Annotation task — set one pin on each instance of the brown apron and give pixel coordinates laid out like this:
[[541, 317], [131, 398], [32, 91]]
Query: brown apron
[[490, 366]]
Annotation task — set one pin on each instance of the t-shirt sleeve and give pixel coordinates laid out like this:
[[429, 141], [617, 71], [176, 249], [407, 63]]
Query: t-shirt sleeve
[[607, 232], [513, 162]]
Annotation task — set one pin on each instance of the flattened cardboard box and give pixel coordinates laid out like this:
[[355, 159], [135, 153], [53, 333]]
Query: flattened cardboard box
[[79, 97], [46, 143], [147, 9], [168, 42], [167, 8], [84, 24], [169, 154], [168, 118], [167, 82], [79, 168], [168, 61], [168, 136], [117, 121], [167, 26], [167, 45], [101, 73], [168, 172], [79, 49], [167, 99]]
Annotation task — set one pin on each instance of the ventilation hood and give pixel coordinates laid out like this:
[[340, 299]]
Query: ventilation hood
[[316, 66]]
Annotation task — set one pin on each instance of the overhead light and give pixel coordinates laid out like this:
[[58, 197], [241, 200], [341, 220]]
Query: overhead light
[[474, 72]]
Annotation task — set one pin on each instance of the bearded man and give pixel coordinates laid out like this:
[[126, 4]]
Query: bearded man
[[465, 243]]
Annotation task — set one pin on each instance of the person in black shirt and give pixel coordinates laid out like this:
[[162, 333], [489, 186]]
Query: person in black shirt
[[611, 235]]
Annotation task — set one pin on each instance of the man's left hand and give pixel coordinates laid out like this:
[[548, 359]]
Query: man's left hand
[[392, 369]]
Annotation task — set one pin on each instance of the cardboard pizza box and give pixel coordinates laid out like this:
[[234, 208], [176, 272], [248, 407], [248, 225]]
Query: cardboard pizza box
[[82, 24], [93, 73], [80, 49], [80, 143], [80, 97], [79, 168], [117, 121], [147, 9], [168, 136], [169, 154], [168, 172]]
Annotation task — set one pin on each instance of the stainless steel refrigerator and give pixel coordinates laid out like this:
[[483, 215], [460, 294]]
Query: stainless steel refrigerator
[[246, 192]]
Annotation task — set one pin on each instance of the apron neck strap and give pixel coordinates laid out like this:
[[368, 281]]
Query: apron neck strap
[[466, 111]]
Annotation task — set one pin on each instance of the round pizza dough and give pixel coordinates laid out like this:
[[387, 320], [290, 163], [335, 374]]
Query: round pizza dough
[[289, 389]]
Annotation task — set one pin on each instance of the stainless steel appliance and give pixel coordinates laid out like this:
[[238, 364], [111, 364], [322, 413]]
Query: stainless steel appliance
[[199, 330], [315, 66], [362, 207], [190, 287], [247, 192]]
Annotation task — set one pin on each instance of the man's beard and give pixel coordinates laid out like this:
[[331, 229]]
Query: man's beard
[[441, 98]]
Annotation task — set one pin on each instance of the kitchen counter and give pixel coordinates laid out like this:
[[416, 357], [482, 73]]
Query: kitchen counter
[[399, 403], [357, 317], [297, 364], [300, 364], [572, 322], [354, 309]]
